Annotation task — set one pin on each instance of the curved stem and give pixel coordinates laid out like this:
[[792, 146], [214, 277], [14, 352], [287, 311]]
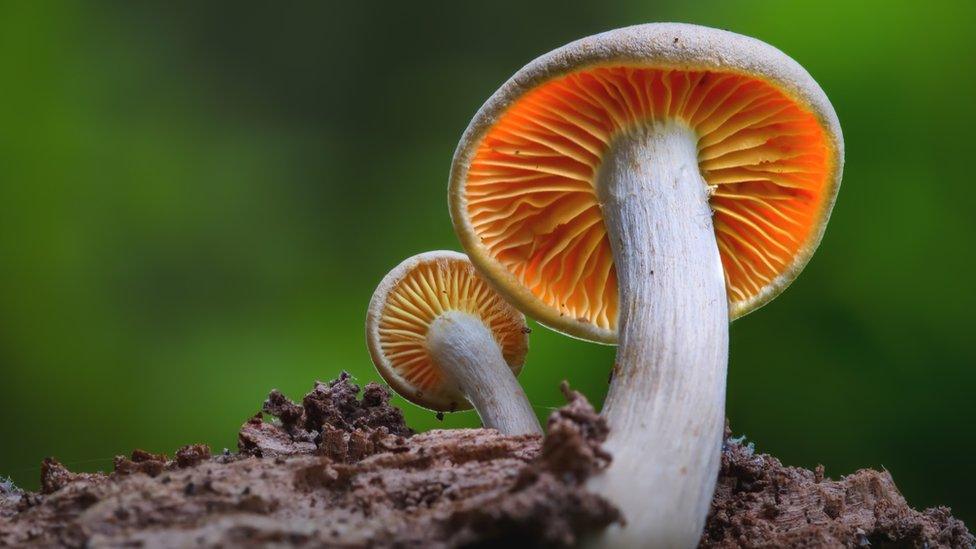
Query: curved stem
[[666, 404], [466, 351]]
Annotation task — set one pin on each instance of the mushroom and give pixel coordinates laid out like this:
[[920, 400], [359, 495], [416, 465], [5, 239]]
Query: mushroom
[[643, 187], [444, 340]]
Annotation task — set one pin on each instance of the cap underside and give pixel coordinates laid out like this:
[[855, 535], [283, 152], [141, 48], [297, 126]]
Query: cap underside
[[529, 198], [415, 297]]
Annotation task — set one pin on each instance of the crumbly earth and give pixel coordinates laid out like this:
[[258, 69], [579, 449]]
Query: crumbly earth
[[340, 470], [759, 502]]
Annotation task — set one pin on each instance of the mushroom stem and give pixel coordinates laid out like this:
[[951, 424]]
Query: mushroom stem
[[666, 404], [465, 349]]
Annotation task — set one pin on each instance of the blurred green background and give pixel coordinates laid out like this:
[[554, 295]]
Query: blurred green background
[[196, 202]]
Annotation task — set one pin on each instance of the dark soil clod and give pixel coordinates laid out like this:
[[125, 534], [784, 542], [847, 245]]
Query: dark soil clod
[[191, 455], [141, 461]]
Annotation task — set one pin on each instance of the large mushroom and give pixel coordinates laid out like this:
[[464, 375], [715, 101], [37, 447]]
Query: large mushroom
[[643, 187], [444, 340]]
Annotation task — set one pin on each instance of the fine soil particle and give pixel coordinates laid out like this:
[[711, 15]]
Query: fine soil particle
[[340, 470]]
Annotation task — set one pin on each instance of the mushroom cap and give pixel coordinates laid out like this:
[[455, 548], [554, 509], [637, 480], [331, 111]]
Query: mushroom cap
[[522, 194], [409, 299]]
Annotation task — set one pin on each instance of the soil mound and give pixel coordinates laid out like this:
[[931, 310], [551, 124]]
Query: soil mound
[[342, 469]]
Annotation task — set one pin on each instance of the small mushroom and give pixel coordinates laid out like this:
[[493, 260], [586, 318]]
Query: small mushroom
[[643, 187], [444, 340]]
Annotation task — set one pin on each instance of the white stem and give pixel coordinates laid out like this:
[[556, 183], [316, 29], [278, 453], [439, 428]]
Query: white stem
[[666, 405], [466, 351]]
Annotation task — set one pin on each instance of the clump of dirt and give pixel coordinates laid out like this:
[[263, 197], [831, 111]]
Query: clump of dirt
[[141, 461], [332, 420], [191, 455], [759, 502], [344, 470]]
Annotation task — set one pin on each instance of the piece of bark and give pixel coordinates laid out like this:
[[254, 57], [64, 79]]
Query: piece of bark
[[350, 473]]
